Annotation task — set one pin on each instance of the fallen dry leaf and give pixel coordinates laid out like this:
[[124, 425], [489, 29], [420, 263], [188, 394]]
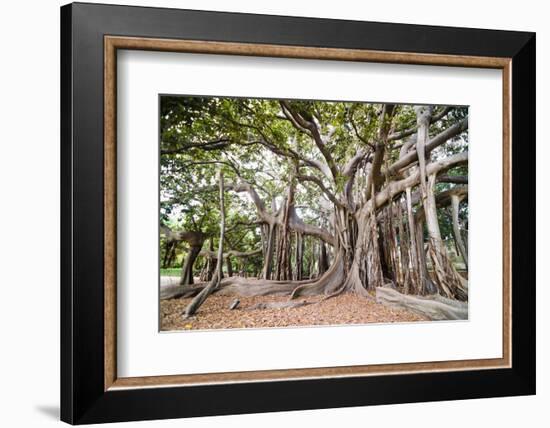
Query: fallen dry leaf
[[343, 309]]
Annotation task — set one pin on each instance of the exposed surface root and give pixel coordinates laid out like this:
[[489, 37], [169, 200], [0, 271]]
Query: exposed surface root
[[452, 284], [234, 286], [433, 307], [329, 283]]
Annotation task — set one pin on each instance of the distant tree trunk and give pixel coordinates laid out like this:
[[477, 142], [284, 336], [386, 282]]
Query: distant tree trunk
[[413, 249], [403, 251], [195, 239], [392, 226], [455, 202], [187, 265], [210, 266], [323, 259], [214, 283], [172, 255], [229, 266], [385, 245], [270, 249], [168, 250], [284, 244], [374, 277], [299, 256], [313, 258]]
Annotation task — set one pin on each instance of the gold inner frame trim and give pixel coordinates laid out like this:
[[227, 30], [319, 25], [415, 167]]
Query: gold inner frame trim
[[113, 43]]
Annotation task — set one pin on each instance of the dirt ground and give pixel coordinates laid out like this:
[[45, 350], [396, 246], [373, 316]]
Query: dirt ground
[[342, 309]]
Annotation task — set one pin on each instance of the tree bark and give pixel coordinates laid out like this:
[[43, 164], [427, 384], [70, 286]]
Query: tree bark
[[426, 284], [283, 261], [413, 248], [210, 266], [229, 266], [434, 307], [187, 265], [270, 249], [455, 202], [195, 239], [323, 259], [446, 277], [449, 282], [295, 223], [375, 178], [299, 257], [374, 277], [169, 250]]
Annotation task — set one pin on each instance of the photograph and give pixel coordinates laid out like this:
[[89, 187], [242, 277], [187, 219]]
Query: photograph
[[291, 213]]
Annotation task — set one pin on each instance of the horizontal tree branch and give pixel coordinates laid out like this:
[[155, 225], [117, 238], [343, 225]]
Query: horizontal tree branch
[[405, 133], [435, 142], [231, 253], [193, 238], [323, 188], [394, 188], [455, 179]]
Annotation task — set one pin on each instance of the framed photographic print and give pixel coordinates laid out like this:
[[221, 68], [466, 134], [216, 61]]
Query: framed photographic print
[[265, 213]]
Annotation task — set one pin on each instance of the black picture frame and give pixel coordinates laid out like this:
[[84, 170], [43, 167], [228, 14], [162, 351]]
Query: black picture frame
[[83, 398]]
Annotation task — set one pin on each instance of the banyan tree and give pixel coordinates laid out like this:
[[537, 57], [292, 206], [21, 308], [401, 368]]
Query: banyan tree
[[303, 198]]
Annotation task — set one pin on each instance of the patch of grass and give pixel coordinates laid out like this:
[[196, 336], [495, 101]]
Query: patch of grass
[[170, 272]]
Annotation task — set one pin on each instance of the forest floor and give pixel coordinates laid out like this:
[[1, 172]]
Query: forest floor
[[343, 309]]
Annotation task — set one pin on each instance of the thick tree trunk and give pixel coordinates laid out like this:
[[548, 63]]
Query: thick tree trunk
[[346, 235], [426, 284], [430, 211], [375, 178], [365, 272]]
